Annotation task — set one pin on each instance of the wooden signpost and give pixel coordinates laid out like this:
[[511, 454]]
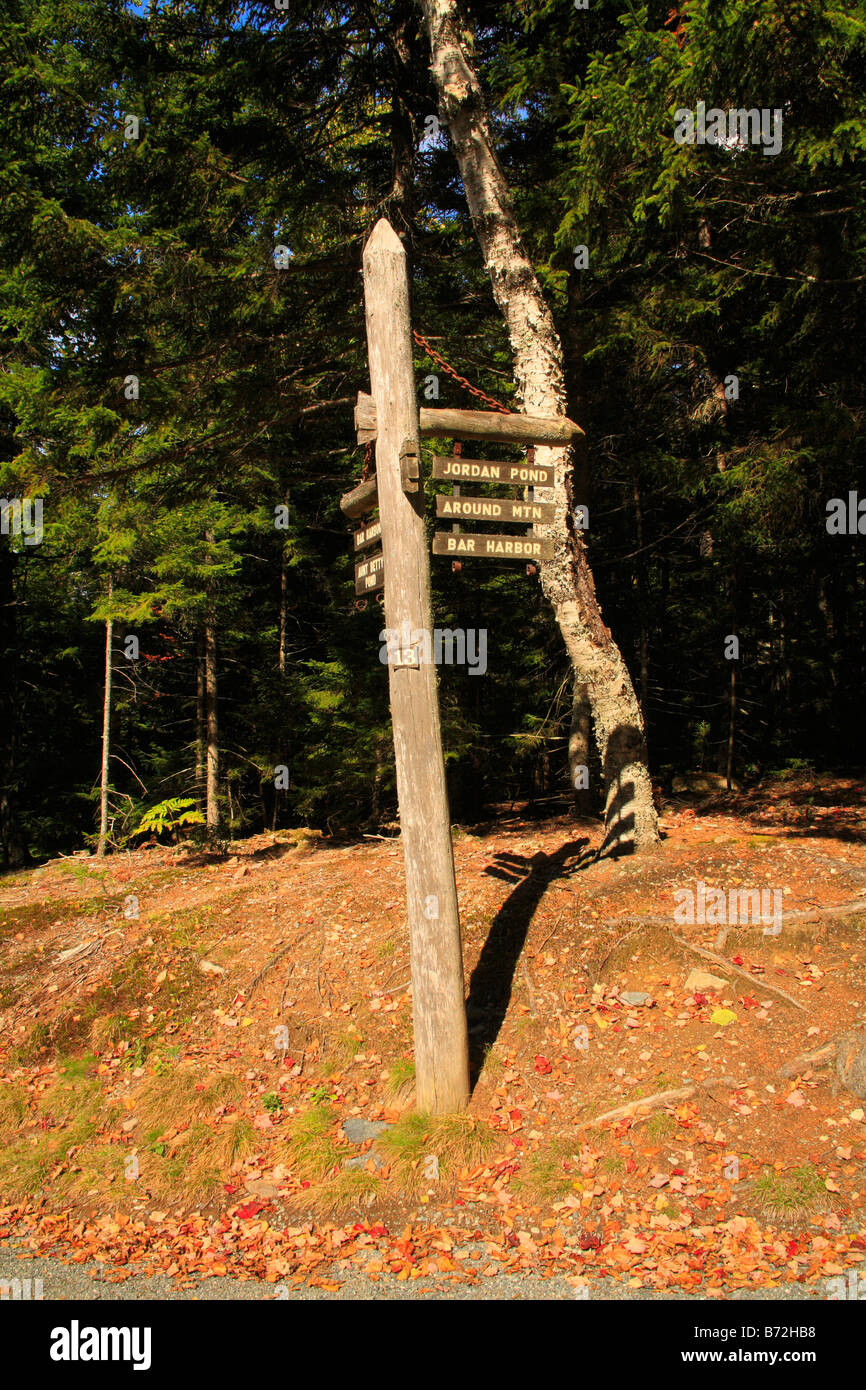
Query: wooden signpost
[[389, 417], [439, 1013]]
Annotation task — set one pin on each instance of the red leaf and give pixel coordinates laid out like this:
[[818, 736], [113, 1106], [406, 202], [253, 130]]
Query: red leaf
[[542, 1066], [250, 1209]]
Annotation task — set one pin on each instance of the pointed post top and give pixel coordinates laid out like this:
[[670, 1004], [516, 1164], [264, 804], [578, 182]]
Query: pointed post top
[[383, 238]]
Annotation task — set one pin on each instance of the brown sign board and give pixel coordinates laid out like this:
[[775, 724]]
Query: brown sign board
[[370, 574], [473, 545], [362, 499], [521, 474], [474, 424], [495, 509], [368, 535]]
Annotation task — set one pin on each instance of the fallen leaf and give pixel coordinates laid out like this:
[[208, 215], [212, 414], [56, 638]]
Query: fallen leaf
[[722, 1017]]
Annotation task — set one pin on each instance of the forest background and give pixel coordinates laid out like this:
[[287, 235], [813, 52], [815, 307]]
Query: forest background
[[151, 249]]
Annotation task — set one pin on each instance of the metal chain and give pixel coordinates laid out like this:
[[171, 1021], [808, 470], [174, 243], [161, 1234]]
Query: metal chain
[[461, 380], [369, 462]]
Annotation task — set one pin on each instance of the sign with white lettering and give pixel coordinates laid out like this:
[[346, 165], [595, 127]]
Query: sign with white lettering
[[366, 536], [521, 474], [491, 547], [494, 509], [370, 574]]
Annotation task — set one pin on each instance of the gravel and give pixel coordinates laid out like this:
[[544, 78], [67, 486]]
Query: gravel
[[86, 1281]]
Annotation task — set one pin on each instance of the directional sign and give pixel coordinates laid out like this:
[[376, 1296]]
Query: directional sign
[[368, 535], [362, 499], [370, 574], [481, 547], [494, 509], [485, 471]]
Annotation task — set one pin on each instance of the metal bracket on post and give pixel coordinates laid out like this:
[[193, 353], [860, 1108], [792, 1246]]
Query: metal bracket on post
[[410, 465]]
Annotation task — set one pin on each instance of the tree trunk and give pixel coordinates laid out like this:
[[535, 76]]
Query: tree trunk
[[642, 604], [106, 738], [200, 721], [732, 726], [399, 206], [732, 686], [13, 716], [211, 722], [578, 748], [567, 581], [378, 776], [284, 600]]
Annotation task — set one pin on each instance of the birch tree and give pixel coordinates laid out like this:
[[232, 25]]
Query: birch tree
[[567, 580]]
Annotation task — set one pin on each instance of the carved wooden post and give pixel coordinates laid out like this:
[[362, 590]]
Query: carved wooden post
[[441, 1043]]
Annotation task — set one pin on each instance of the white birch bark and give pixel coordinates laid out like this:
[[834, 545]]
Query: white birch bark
[[567, 580]]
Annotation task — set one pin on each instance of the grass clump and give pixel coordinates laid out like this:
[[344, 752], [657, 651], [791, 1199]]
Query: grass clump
[[317, 1157], [660, 1125], [198, 1162], [401, 1080], [107, 1030], [493, 1063], [313, 1150], [350, 1189], [550, 1173], [191, 1139], [13, 1110], [74, 1068], [457, 1141], [796, 1193], [342, 1049], [54, 1157], [181, 1096]]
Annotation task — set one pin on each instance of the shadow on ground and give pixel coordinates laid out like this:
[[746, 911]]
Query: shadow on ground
[[492, 980]]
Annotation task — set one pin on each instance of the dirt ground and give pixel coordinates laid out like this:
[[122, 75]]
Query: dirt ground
[[182, 1036]]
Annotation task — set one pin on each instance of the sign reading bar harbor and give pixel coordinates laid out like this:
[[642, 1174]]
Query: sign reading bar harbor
[[495, 509], [368, 535], [486, 471], [370, 574], [492, 547]]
